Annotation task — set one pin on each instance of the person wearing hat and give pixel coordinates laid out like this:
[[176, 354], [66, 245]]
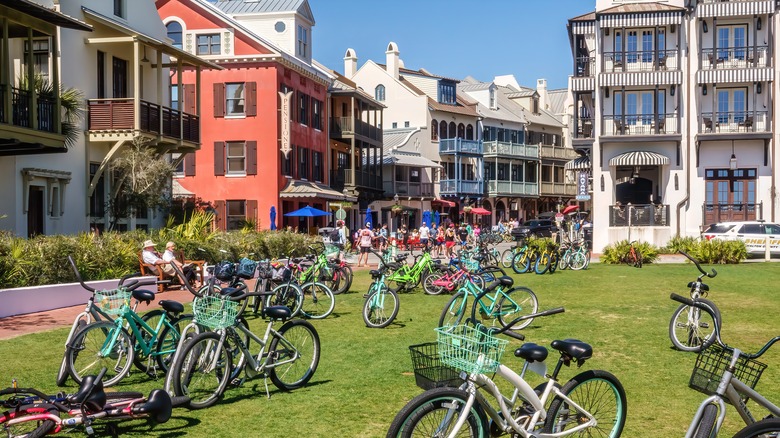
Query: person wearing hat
[[153, 258], [169, 256]]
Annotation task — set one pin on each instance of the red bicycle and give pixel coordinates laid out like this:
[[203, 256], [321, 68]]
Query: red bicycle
[[634, 256]]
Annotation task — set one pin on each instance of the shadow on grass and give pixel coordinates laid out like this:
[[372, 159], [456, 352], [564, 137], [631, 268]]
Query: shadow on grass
[[175, 427], [257, 387]]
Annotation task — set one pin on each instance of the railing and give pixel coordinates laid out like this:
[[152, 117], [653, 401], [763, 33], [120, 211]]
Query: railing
[[46, 108], [713, 213], [734, 121], [558, 152], [408, 188], [508, 188], [640, 124], [21, 109], [343, 125], [453, 186], [340, 178], [460, 146], [584, 128], [20, 101], [118, 114], [584, 66], [552, 188], [2, 103], [650, 60], [652, 215], [735, 57], [496, 147]]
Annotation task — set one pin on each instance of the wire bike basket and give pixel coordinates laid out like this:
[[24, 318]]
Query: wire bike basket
[[711, 364], [214, 312], [112, 301], [470, 349], [429, 371]]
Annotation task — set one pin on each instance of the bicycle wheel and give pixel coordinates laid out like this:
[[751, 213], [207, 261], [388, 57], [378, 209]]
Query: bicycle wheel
[[62, 373], [553, 262], [515, 303], [435, 412], [430, 288], [244, 301], [101, 345], [287, 294], [345, 280], [168, 341], [577, 261], [381, 307], [318, 301], [453, 313], [542, 264], [294, 355], [692, 329], [141, 359], [521, 262], [564, 260], [600, 394], [506, 257], [31, 428], [766, 428], [707, 422], [202, 370]]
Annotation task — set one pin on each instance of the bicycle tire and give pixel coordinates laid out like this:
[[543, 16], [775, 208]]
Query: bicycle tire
[[553, 263], [375, 314], [91, 340], [506, 257], [564, 260], [578, 261], [542, 264], [690, 338], [62, 373], [168, 341], [454, 310], [521, 262], [193, 365], [151, 318], [431, 289], [242, 303], [707, 422], [438, 403], [610, 419], [286, 294], [517, 302], [760, 429], [36, 429], [306, 341], [318, 301]]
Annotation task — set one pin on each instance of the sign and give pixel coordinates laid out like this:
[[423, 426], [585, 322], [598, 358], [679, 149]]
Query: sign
[[559, 217], [582, 186], [341, 214], [285, 131]]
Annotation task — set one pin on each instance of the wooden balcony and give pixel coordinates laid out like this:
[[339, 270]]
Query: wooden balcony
[[341, 127], [341, 178], [406, 188], [557, 152], [650, 215], [508, 149], [557, 189], [512, 188], [454, 146], [114, 119], [460, 186]]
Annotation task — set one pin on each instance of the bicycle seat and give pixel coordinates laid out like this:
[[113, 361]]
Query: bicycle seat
[[375, 273], [479, 258], [146, 296], [504, 280], [704, 287], [171, 306], [92, 402], [230, 292], [277, 312], [531, 352], [158, 406], [393, 266], [573, 348]]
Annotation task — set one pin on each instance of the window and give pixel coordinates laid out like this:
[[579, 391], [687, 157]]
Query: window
[[101, 75], [40, 56], [461, 130], [303, 41], [618, 47], [732, 42], [316, 114], [316, 172], [379, 93], [209, 44], [119, 8], [174, 96], [493, 98], [303, 163], [434, 130], [342, 160], [730, 194], [414, 174], [303, 109], [179, 169], [469, 132], [286, 89], [447, 92], [236, 158], [731, 105], [287, 164], [234, 99], [97, 202], [443, 130], [452, 131], [236, 214], [406, 124], [174, 30], [394, 125]]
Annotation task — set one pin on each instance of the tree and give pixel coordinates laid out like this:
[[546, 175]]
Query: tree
[[70, 101]]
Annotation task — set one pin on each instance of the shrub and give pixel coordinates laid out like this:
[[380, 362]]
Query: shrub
[[677, 244], [615, 253], [718, 251]]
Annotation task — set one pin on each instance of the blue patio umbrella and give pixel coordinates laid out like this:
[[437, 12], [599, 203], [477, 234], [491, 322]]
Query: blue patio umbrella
[[273, 217], [369, 219], [308, 211], [427, 217], [436, 218]]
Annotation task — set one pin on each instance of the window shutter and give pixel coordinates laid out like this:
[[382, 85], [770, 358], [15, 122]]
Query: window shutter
[[221, 208], [251, 211], [189, 99], [251, 158], [251, 98], [219, 158], [219, 100], [189, 164]]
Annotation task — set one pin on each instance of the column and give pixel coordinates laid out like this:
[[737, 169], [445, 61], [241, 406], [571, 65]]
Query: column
[[136, 86], [33, 97]]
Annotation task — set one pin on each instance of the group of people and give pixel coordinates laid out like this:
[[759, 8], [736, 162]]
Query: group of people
[[163, 262]]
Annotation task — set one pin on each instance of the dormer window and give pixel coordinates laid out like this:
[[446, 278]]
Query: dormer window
[[303, 41], [536, 105], [493, 98], [447, 92]]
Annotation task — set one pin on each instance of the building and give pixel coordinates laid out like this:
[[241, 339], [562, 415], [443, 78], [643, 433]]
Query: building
[[673, 105]]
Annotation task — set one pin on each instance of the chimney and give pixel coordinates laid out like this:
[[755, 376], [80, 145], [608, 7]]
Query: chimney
[[393, 61], [541, 88], [350, 63]]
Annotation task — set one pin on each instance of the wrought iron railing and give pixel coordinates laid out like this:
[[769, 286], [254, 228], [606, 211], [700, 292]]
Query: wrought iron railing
[[584, 66], [735, 57], [640, 124], [652, 215], [648, 60], [584, 128], [734, 121], [20, 102], [340, 178]]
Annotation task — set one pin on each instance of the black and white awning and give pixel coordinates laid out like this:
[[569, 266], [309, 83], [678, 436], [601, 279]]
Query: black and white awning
[[583, 27], [583, 84], [735, 75], [639, 158], [732, 9], [640, 78], [580, 163], [641, 19]]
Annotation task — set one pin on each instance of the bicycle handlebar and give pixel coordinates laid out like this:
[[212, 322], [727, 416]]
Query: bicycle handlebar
[[696, 262]]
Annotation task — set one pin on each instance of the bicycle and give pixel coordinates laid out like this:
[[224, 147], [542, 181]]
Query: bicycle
[[381, 305], [689, 330], [30, 413], [591, 400], [634, 256], [547, 260], [524, 259], [408, 277], [728, 375]]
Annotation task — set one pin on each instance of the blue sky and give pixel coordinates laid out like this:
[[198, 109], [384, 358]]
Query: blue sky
[[453, 38]]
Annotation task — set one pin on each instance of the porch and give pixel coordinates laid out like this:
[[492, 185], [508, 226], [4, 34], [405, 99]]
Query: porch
[[115, 119]]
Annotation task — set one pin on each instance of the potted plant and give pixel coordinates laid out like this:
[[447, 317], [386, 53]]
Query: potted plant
[[467, 209], [397, 209]]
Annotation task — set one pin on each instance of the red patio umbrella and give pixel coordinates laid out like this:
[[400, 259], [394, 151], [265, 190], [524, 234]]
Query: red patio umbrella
[[570, 208]]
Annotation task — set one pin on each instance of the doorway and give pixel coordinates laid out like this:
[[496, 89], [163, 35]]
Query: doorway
[[119, 78], [35, 211]]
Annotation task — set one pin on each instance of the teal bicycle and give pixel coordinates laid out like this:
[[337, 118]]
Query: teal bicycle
[[381, 305], [505, 304]]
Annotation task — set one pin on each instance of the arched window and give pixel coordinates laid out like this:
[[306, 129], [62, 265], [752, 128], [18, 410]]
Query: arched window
[[453, 131], [379, 93], [443, 130], [461, 131], [434, 130], [174, 33], [469, 132]]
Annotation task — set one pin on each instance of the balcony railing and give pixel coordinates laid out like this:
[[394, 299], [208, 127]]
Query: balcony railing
[[549, 188], [640, 124], [558, 152], [406, 188], [118, 115], [735, 57], [340, 178], [512, 188], [453, 186], [506, 148], [650, 60], [584, 128], [460, 146], [734, 121], [713, 213], [650, 215], [343, 126], [21, 109], [584, 66]]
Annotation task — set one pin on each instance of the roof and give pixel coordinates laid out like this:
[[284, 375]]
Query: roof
[[631, 8], [557, 100], [395, 138], [239, 7], [45, 14], [412, 87], [590, 16], [343, 85], [521, 93], [405, 159], [296, 188], [420, 72], [506, 109]]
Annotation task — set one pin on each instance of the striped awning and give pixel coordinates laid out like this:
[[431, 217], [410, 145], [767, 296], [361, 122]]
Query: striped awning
[[580, 163], [640, 78], [583, 27], [735, 75], [583, 84], [641, 19], [639, 158], [731, 9]]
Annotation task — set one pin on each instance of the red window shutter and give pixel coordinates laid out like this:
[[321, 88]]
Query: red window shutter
[[221, 208], [189, 164], [189, 99], [219, 100], [251, 98], [251, 211], [251, 158], [219, 158]]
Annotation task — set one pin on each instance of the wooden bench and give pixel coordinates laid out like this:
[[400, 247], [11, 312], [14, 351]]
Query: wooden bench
[[151, 271]]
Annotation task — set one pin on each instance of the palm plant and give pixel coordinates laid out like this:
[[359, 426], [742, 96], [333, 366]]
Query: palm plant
[[71, 103]]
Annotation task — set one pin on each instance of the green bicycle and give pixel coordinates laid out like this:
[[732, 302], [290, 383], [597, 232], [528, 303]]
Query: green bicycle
[[381, 305], [505, 305], [408, 277]]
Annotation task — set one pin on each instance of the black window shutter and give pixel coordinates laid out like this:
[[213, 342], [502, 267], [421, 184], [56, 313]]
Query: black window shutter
[[219, 158]]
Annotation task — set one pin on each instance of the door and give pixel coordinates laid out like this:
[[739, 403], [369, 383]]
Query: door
[[35, 211], [119, 77], [730, 195]]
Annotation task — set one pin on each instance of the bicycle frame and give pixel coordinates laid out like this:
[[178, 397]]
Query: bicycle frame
[[471, 290], [116, 411], [136, 325], [411, 274]]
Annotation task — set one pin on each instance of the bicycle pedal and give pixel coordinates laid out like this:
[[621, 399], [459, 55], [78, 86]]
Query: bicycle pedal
[[237, 382], [704, 325], [365, 296]]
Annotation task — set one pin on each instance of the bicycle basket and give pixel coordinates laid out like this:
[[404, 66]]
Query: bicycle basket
[[225, 270], [331, 250], [469, 349], [711, 364], [264, 270], [282, 273], [429, 371], [246, 268], [112, 301], [214, 312]]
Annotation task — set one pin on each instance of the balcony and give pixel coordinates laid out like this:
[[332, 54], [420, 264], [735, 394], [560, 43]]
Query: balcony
[[342, 126], [735, 57], [109, 118], [557, 152], [405, 188], [512, 188], [460, 146], [713, 213], [640, 61], [734, 122], [650, 215], [21, 110], [640, 124], [497, 148], [583, 128], [584, 66], [458, 187], [340, 178], [557, 189]]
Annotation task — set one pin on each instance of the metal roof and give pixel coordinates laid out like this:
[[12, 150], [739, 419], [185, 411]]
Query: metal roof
[[238, 7], [45, 14], [557, 100]]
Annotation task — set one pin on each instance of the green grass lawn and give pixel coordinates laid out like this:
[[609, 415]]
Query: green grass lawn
[[364, 376]]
